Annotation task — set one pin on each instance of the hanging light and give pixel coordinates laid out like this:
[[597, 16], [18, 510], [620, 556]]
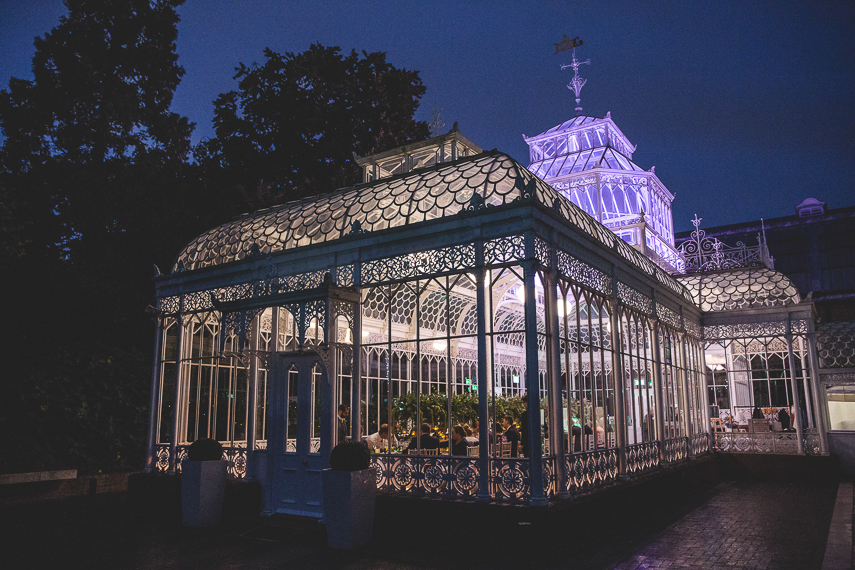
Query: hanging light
[[439, 344]]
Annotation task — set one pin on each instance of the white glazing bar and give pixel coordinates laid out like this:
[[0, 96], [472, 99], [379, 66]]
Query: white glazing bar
[[819, 418]]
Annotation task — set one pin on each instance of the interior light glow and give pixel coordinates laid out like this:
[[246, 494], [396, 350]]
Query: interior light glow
[[439, 344]]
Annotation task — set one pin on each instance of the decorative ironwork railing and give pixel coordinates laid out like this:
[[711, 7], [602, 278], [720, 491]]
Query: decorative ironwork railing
[[591, 469], [709, 254], [431, 476], [699, 443], [642, 457], [675, 449], [236, 456], [773, 442]]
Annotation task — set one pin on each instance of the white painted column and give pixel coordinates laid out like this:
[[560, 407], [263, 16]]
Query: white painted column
[[176, 391], [820, 417], [154, 401], [556, 420], [252, 388], [657, 390], [620, 386], [484, 361], [532, 384], [794, 385]]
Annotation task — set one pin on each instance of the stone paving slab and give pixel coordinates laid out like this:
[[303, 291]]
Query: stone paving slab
[[746, 525]]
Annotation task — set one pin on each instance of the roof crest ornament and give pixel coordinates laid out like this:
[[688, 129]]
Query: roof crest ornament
[[577, 82]]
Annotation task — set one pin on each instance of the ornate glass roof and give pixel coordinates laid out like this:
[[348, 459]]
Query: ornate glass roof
[[745, 288], [418, 196], [836, 344]]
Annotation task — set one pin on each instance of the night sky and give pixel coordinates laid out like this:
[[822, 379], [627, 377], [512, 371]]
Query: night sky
[[745, 108]]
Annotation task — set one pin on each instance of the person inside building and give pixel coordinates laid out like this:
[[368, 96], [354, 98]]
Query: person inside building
[[426, 440], [784, 418], [380, 440], [758, 414], [459, 445], [511, 435], [343, 412]]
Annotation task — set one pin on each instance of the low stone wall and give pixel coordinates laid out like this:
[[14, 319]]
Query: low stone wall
[[38, 489]]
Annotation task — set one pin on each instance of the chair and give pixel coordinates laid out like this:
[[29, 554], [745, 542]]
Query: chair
[[430, 452], [759, 426], [472, 451], [503, 449], [717, 426]]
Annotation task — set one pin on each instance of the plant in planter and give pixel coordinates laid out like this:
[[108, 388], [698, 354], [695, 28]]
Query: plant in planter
[[203, 483], [349, 488]]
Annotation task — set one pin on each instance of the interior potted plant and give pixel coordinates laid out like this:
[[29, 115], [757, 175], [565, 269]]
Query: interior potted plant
[[203, 483], [349, 488]]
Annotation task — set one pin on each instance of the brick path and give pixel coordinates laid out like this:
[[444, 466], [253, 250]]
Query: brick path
[[746, 525]]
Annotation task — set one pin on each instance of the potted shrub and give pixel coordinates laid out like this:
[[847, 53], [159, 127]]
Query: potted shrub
[[349, 486], [203, 483]]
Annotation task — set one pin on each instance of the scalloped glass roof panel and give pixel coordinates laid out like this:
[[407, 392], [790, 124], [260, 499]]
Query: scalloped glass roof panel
[[391, 202], [419, 196], [746, 288]]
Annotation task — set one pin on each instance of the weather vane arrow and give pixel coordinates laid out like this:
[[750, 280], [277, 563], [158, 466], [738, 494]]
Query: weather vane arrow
[[567, 43]]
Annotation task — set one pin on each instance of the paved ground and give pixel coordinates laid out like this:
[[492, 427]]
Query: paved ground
[[733, 525], [745, 525]]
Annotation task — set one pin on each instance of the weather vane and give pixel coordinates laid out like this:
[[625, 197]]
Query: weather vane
[[577, 83]]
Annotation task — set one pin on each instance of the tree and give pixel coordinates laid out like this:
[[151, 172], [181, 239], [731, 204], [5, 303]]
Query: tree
[[292, 127], [93, 186], [96, 110]]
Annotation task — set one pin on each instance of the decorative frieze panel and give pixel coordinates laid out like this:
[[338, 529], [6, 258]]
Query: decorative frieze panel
[[669, 316], [745, 330], [504, 250], [541, 252], [582, 273], [418, 265], [693, 328], [591, 469], [635, 300], [642, 457], [261, 287], [345, 276]]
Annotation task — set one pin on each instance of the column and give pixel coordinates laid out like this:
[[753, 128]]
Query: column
[[252, 388], [620, 385], [819, 418], [794, 385], [657, 391], [154, 401], [704, 397], [532, 385], [177, 391], [483, 378], [356, 368], [556, 420], [684, 400]]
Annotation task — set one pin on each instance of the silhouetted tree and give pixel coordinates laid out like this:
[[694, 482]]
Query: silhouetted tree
[[291, 128], [93, 185]]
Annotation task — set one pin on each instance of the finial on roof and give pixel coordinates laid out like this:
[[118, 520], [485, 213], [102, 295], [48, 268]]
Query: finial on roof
[[653, 169], [608, 114], [577, 82], [455, 128]]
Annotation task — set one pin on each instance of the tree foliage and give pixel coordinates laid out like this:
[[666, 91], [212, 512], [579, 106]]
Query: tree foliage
[[93, 184], [291, 128]]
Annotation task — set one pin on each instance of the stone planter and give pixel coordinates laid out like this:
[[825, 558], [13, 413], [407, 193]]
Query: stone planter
[[349, 507], [203, 487]]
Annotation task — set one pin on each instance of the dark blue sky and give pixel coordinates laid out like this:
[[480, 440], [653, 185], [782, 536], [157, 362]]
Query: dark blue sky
[[745, 108]]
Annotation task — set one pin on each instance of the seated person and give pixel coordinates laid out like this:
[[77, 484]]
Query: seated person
[[425, 440], [459, 445], [471, 436], [380, 440], [758, 414], [784, 418]]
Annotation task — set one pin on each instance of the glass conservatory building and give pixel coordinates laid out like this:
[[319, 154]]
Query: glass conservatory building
[[445, 288]]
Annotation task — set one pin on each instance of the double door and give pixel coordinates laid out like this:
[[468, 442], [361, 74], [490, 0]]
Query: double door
[[300, 432]]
